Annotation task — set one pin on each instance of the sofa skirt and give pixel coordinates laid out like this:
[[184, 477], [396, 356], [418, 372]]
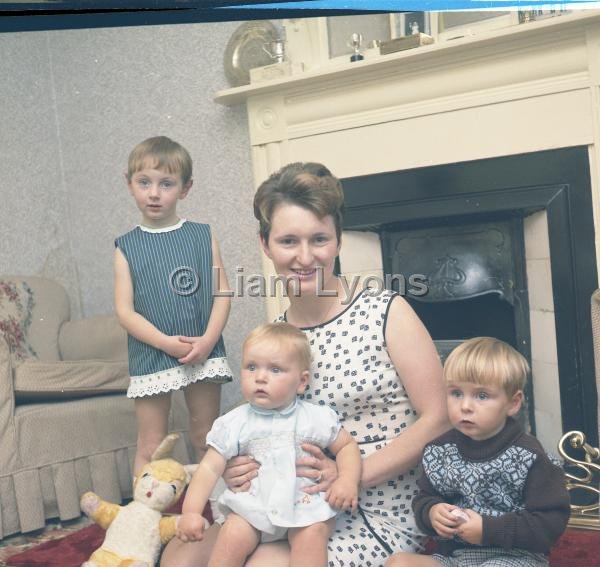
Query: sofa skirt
[[52, 489]]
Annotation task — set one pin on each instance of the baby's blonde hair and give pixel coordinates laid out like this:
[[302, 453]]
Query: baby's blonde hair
[[285, 335], [163, 153], [488, 361]]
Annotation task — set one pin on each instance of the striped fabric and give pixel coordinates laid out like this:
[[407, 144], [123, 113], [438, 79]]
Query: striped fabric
[[171, 271]]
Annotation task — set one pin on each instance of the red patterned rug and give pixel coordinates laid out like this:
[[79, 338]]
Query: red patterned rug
[[577, 548]]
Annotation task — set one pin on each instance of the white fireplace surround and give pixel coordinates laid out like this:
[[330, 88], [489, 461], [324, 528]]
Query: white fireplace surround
[[522, 89]]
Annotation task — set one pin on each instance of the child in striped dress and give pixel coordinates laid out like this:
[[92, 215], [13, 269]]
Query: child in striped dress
[[164, 300]]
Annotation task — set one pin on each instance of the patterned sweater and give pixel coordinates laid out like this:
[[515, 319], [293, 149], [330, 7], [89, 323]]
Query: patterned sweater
[[507, 479]]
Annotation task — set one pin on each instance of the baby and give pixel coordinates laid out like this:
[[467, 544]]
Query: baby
[[271, 428]]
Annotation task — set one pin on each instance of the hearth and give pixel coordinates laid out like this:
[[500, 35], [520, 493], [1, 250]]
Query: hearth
[[464, 227]]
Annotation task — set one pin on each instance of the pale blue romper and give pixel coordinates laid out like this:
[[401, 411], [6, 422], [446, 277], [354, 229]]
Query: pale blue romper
[[275, 501]]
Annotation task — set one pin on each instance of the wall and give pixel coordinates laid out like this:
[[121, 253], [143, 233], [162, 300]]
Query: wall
[[74, 103]]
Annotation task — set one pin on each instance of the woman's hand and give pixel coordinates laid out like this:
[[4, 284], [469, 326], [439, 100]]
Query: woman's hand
[[318, 467], [239, 472]]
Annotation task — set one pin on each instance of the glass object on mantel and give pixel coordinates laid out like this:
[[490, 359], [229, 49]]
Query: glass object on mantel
[[370, 27]]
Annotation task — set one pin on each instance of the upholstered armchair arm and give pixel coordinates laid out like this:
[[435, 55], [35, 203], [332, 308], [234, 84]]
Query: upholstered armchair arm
[[8, 448], [94, 338]]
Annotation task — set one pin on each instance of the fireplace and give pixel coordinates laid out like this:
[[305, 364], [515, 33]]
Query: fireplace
[[464, 227]]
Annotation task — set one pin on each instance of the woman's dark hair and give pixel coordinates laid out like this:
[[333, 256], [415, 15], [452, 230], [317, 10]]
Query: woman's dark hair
[[308, 185]]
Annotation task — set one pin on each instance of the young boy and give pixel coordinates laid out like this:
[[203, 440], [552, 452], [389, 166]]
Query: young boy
[[489, 490], [271, 427]]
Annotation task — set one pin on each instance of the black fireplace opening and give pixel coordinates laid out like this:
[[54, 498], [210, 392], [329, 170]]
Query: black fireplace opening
[[460, 226], [474, 317], [471, 271]]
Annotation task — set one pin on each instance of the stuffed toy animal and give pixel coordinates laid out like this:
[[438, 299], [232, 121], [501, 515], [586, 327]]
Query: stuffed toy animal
[[136, 532]]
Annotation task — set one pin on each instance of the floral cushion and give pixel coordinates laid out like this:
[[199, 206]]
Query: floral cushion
[[16, 305]]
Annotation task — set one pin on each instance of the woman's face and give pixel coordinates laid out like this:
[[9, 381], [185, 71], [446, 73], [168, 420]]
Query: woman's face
[[303, 247]]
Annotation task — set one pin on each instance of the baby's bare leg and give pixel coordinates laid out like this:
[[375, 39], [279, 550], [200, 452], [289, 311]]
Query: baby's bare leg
[[411, 560], [236, 540], [309, 544]]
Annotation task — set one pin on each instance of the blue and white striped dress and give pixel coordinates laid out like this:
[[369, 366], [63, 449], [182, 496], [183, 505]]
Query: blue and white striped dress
[[171, 272]]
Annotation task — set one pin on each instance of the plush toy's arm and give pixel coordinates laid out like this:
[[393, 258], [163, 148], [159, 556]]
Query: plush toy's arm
[[167, 528], [102, 512]]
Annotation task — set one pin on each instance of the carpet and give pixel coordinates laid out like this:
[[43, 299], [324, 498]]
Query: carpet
[[576, 548], [70, 550], [67, 551]]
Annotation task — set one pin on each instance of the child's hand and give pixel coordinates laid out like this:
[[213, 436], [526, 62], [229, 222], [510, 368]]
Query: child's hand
[[191, 526], [343, 494], [443, 521], [201, 347], [472, 530], [174, 347]]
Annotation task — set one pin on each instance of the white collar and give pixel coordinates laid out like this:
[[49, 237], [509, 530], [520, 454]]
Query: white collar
[[285, 411], [164, 229]]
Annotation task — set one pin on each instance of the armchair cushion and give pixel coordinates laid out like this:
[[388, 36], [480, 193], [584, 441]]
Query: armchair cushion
[[98, 337], [69, 379]]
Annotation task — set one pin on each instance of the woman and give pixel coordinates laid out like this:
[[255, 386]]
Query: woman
[[373, 362]]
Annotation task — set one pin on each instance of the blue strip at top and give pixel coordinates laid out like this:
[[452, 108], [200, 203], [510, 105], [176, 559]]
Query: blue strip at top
[[421, 5]]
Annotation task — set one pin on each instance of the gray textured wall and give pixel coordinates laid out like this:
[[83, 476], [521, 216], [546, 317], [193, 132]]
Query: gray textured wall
[[74, 103]]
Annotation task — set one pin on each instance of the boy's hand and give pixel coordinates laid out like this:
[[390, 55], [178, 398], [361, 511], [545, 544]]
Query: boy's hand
[[343, 494], [201, 347], [174, 347], [443, 521], [191, 526], [472, 530]]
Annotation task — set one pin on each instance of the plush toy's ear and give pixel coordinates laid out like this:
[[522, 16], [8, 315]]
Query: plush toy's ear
[[189, 471], [165, 448]]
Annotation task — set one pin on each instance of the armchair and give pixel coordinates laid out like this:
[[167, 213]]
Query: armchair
[[66, 424]]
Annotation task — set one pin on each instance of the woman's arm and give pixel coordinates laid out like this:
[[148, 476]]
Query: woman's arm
[[415, 358], [202, 346], [136, 325]]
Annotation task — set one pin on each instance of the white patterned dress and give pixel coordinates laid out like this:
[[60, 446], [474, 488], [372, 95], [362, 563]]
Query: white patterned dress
[[353, 374]]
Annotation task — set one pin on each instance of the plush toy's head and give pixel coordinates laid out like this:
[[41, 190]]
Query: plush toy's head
[[160, 484], [162, 480]]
